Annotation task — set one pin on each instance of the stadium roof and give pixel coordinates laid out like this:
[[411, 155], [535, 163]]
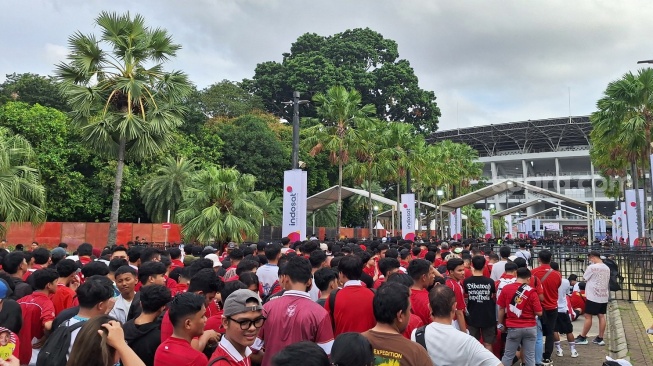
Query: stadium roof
[[524, 137]]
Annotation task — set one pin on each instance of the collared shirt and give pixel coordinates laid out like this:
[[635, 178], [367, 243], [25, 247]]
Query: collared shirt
[[63, 299], [226, 349], [120, 309], [37, 310], [353, 308], [178, 352]]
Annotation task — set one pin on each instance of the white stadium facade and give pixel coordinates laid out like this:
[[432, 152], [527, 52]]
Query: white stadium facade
[[551, 154]]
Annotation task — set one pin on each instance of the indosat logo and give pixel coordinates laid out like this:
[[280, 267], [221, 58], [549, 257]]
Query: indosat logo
[[293, 206], [409, 217]]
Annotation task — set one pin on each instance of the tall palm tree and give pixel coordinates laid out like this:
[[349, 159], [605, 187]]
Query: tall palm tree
[[124, 104], [271, 205], [164, 190], [219, 204], [399, 139], [22, 197], [339, 112]]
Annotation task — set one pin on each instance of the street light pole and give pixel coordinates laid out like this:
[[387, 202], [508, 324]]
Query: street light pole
[[295, 127]]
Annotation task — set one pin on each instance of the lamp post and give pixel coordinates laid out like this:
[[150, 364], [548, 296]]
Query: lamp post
[[376, 220], [438, 197], [295, 127]]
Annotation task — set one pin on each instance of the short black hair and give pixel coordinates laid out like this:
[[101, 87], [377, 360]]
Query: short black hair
[[392, 253], [430, 256], [272, 251], [520, 262], [387, 264], [125, 269], [323, 277], [41, 255], [134, 254], [523, 273], [441, 299], [85, 249], [352, 348], [389, 299], [183, 306], [95, 268], [351, 267], [63, 245], [504, 251], [116, 263], [66, 267], [298, 269], [150, 269], [236, 254], [401, 278], [42, 277], [418, 268], [453, 263], [249, 279], [154, 298], [510, 267], [56, 257], [12, 262], [148, 254], [206, 281], [554, 266], [478, 262], [246, 265], [317, 257], [175, 253], [93, 291], [545, 256], [301, 354], [581, 286], [118, 248], [188, 249], [229, 288]]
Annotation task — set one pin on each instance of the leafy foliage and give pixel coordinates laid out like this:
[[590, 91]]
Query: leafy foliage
[[33, 89], [228, 99]]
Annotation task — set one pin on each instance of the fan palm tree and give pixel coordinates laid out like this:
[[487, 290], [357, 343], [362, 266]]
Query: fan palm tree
[[339, 112], [124, 104], [164, 190], [219, 204], [22, 196], [271, 205]]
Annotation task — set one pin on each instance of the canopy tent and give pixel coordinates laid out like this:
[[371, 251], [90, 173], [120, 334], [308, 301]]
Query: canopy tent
[[330, 195], [517, 208]]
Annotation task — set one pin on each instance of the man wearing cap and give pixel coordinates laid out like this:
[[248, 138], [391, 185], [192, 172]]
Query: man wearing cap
[[231, 246], [597, 292], [242, 320], [217, 264]]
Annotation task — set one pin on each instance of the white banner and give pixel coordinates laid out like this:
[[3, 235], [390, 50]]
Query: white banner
[[455, 224], [528, 226], [294, 205], [615, 233], [623, 221], [487, 221], [552, 226], [631, 213], [508, 228], [538, 225], [408, 216]]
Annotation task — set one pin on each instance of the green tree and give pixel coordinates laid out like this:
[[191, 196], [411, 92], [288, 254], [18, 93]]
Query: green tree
[[22, 196], [271, 206], [360, 59], [228, 99], [164, 190], [33, 89], [339, 112], [219, 204], [124, 104]]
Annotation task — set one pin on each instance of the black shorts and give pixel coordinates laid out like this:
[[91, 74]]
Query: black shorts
[[563, 324], [594, 308], [489, 333]]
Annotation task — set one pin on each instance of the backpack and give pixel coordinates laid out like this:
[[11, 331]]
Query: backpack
[[55, 349], [615, 278], [271, 293], [218, 359], [420, 336]]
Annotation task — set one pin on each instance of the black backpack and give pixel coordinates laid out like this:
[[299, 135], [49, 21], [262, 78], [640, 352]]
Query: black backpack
[[216, 360], [55, 349], [420, 336], [615, 277]]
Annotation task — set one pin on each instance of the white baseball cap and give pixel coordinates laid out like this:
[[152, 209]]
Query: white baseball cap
[[215, 259]]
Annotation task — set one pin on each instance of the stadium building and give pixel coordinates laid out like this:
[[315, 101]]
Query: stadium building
[[549, 153]]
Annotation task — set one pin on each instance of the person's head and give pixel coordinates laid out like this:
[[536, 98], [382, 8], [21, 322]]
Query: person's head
[[443, 302], [66, 268], [187, 314], [206, 283], [229, 288], [504, 251], [41, 256], [5, 337], [94, 294], [520, 262], [573, 279], [326, 279], [352, 349], [152, 273], [511, 268], [19, 247], [119, 252], [391, 305], [522, 245], [544, 256], [388, 266], [150, 255], [45, 280], [523, 275], [273, 252], [595, 257], [236, 255], [15, 263], [456, 269], [91, 347], [402, 278], [301, 354], [298, 272], [582, 285], [246, 265], [478, 262], [350, 268], [154, 299], [555, 266], [126, 278], [116, 263], [175, 253], [95, 269], [85, 250], [381, 249], [317, 258], [35, 245], [243, 317], [134, 255], [250, 279], [422, 272]]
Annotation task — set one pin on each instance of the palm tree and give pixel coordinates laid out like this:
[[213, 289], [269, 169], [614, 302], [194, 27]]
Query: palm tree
[[124, 104], [164, 190], [399, 139], [22, 196], [339, 112], [220, 204], [271, 205]]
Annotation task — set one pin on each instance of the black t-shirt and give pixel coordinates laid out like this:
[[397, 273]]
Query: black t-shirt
[[11, 317], [480, 303]]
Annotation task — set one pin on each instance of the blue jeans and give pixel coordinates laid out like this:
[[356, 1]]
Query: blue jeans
[[539, 343]]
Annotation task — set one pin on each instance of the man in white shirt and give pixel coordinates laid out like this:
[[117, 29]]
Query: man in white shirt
[[563, 321], [523, 252], [461, 348], [499, 267], [597, 292], [268, 274], [126, 279]]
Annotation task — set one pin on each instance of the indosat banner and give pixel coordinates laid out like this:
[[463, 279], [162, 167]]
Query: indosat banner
[[294, 205], [408, 216]]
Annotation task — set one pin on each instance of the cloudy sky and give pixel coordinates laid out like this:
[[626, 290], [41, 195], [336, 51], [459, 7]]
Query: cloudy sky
[[487, 61]]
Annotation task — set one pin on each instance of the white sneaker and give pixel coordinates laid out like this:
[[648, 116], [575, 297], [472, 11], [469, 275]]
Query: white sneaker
[[559, 352], [574, 353]]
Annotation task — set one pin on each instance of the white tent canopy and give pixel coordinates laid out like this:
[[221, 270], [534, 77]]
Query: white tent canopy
[[330, 195]]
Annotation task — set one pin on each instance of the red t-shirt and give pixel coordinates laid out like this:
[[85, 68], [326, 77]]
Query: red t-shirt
[[215, 322], [414, 322], [419, 304], [63, 299], [353, 309], [468, 273], [460, 294], [550, 286], [170, 283], [370, 270], [37, 310], [31, 270], [578, 300], [404, 263], [530, 307], [487, 270], [180, 288], [176, 263], [293, 318], [437, 263], [379, 281], [166, 324], [178, 352], [231, 355]]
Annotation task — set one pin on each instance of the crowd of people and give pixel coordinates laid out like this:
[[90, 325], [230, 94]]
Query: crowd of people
[[345, 303]]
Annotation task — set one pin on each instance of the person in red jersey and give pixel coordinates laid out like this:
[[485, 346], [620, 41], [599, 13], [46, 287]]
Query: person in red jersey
[[67, 283], [182, 284], [85, 252], [38, 314], [387, 266], [456, 269], [551, 281], [423, 275], [188, 316], [175, 257], [214, 322], [293, 317], [352, 306], [414, 321], [242, 320], [42, 259]]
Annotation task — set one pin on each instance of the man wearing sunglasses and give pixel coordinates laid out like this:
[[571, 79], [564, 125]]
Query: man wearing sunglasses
[[242, 320]]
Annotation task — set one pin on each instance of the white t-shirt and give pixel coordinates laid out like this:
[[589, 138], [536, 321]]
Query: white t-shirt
[[597, 283], [563, 290], [74, 333], [267, 275], [498, 269], [461, 349]]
